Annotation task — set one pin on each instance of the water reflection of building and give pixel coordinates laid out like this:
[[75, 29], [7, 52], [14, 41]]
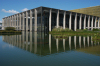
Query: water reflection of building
[[41, 44]]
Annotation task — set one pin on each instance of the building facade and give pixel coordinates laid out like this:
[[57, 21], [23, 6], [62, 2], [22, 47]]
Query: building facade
[[45, 19]]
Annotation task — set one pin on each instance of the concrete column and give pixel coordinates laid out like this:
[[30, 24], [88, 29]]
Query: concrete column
[[57, 23], [10, 21], [85, 22], [50, 43], [7, 22], [70, 20], [26, 21], [35, 22], [88, 22], [13, 21], [30, 20], [95, 22], [64, 20], [20, 21], [17, 22], [92, 23], [98, 22], [2, 24], [23, 22], [75, 22], [50, 14], [70, 42], [80, 22]]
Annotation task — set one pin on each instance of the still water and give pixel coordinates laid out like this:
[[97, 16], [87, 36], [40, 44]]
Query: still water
[[40, 49]]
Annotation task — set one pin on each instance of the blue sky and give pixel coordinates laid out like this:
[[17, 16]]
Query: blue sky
[[10, 7]]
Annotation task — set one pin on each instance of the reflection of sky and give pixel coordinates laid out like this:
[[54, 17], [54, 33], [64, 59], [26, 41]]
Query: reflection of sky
[[4, 45]]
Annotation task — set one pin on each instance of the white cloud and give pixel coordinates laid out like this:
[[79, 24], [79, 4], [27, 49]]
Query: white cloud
[[10, 11], [5, 16], [25, 9], [0, 21]]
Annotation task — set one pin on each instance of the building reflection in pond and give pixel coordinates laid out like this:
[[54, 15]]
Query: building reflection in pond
[[35, 42], [80, 41], [43, 44], [64, 44], [50, 43], [84, 41], [74, 41]]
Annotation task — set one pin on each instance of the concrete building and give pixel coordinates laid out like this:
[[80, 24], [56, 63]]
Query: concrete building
[[45, 19]]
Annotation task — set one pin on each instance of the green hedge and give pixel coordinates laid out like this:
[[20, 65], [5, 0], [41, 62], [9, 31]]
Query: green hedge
[[9, 28], [60, 29], [10, 32], [95, 30]]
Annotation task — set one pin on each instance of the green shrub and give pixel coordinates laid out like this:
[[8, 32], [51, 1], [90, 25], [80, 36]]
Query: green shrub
[[60, 29], [9, 28], [79, 30], [66, 30], [95, 30], [85, 29]]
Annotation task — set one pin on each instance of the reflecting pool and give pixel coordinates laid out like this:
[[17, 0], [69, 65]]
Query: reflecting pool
[[41, 49]]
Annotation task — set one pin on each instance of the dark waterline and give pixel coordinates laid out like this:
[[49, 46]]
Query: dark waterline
[[40, 49]]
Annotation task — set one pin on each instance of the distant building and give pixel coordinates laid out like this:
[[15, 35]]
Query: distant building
[[45, 19]]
